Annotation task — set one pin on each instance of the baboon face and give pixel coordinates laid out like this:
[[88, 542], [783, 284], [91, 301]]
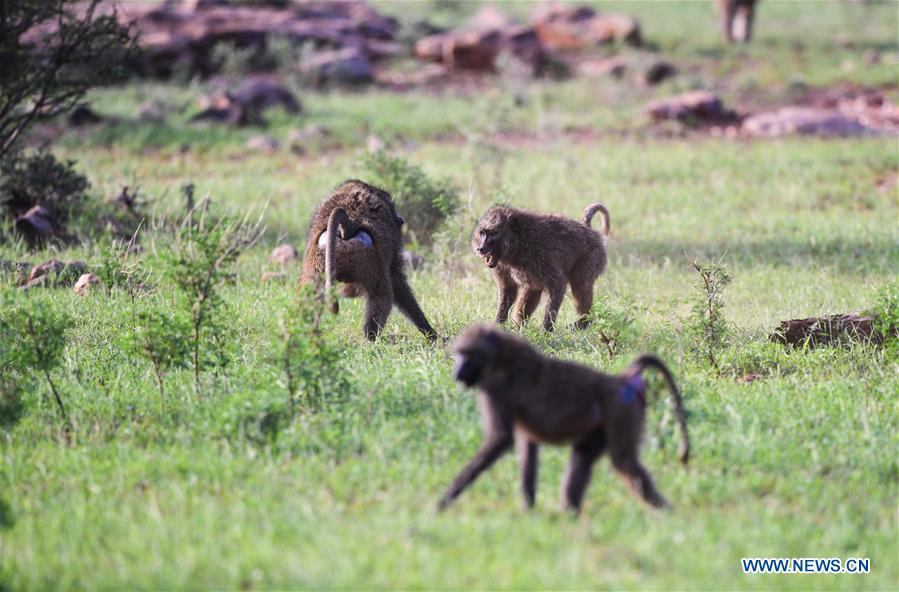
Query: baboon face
[[476, 351], [490, 237]]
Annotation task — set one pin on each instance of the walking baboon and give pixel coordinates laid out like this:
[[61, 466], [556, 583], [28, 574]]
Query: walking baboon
[[530, 253], [529, 399], [355, 237], [736, 19]]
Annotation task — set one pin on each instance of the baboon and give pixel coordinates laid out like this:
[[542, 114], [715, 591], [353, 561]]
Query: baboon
[[736, 19], [530, 253], [355, 237], [529, 399]]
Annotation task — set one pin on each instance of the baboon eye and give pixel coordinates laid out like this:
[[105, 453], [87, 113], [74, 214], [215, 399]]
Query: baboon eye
[[483, 234]]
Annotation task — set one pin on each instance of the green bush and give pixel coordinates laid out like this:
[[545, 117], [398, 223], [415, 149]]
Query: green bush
[[707, 327], [40, 179], [424, 203], [886, 317]]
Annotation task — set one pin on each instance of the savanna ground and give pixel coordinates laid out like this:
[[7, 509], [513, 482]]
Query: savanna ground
[[204, 493]]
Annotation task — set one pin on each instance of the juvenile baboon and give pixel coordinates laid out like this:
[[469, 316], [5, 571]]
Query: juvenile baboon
[[530, 253], [736, 19], [355, 237], [529, 399]]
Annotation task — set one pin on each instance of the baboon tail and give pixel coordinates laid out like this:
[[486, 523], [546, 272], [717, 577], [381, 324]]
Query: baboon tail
[[606, 220], [647, 361], [338, 216]]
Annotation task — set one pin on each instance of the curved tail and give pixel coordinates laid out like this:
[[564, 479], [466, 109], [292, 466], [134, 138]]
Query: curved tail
[[647, 361], [337, 219], [606, 220]]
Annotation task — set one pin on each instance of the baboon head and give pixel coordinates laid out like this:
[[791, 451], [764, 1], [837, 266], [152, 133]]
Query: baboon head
[[476, 352], [492, 236]]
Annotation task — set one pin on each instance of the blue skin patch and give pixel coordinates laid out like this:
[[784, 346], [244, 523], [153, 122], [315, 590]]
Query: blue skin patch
[[361, 237], [633, 390]]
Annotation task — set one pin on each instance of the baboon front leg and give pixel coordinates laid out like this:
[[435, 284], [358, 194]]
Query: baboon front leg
[[580, 468], [639, 480], [527, 461], [508, 291], [408, 305], [727, 10], [377, 309], [582, 292], [494, 448], [526, 305], [742, 28], [556, 290]]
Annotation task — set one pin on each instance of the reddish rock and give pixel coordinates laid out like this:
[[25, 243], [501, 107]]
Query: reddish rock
[[54, 273], [828, 330], [696, 106], [85, 284], [803, 121], [478, 49], [283, 254], [563, 27]]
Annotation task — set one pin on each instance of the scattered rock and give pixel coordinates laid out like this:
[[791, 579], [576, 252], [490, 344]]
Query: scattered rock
[[36, 226], [283, 254], [82, 115], [85, 284], [828, 330], [696, 106], [348, 66], [273, 277], [748, 378], [478, 49], [54, 273], [263, 143], [564, 27], [615, 67], [311, 132], [656, 73], [374, 144], [491, 17], [803, 121]]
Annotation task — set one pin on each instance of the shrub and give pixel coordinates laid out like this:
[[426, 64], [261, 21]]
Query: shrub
[[311, 364], [708, 327], [41, 179], [161, 336], [32, 339], [886, 317], [423, 202], [200, 262], [613, 323]]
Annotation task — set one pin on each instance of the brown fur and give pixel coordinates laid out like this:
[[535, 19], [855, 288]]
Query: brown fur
[[529, 399], [377, 270], [532, 253], [736, 18]]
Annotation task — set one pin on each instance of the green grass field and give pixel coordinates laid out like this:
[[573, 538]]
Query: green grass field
[[800, 462]]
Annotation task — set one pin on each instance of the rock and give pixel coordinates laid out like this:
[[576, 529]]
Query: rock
[[657, 72], [828, 330], [491, 17], [263, 143], [696, 106], [283, 254], [615, 67], [259, 94], [36, 226], [478, 49], [413, 260], [374, 144], [803, 121], [349, 66], [273, 277], [563, 27], [55, 273], [82, 115], [85, 284]]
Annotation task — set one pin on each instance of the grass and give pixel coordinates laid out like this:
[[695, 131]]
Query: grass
[[800, 462]]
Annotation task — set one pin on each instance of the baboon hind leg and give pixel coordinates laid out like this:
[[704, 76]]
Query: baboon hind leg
[[408, 305], [526, 305], [728, 9], [638, 479], [508, 292], [580, 468]]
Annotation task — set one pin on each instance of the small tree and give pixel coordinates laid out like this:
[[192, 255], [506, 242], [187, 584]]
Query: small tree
[[708, 326], [161, 337], [33, 334], [52, 52]]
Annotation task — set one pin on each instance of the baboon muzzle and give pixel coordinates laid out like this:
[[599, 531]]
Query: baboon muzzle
[[467, 372]]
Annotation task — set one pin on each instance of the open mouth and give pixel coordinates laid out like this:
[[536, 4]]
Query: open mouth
[[490, 259]]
